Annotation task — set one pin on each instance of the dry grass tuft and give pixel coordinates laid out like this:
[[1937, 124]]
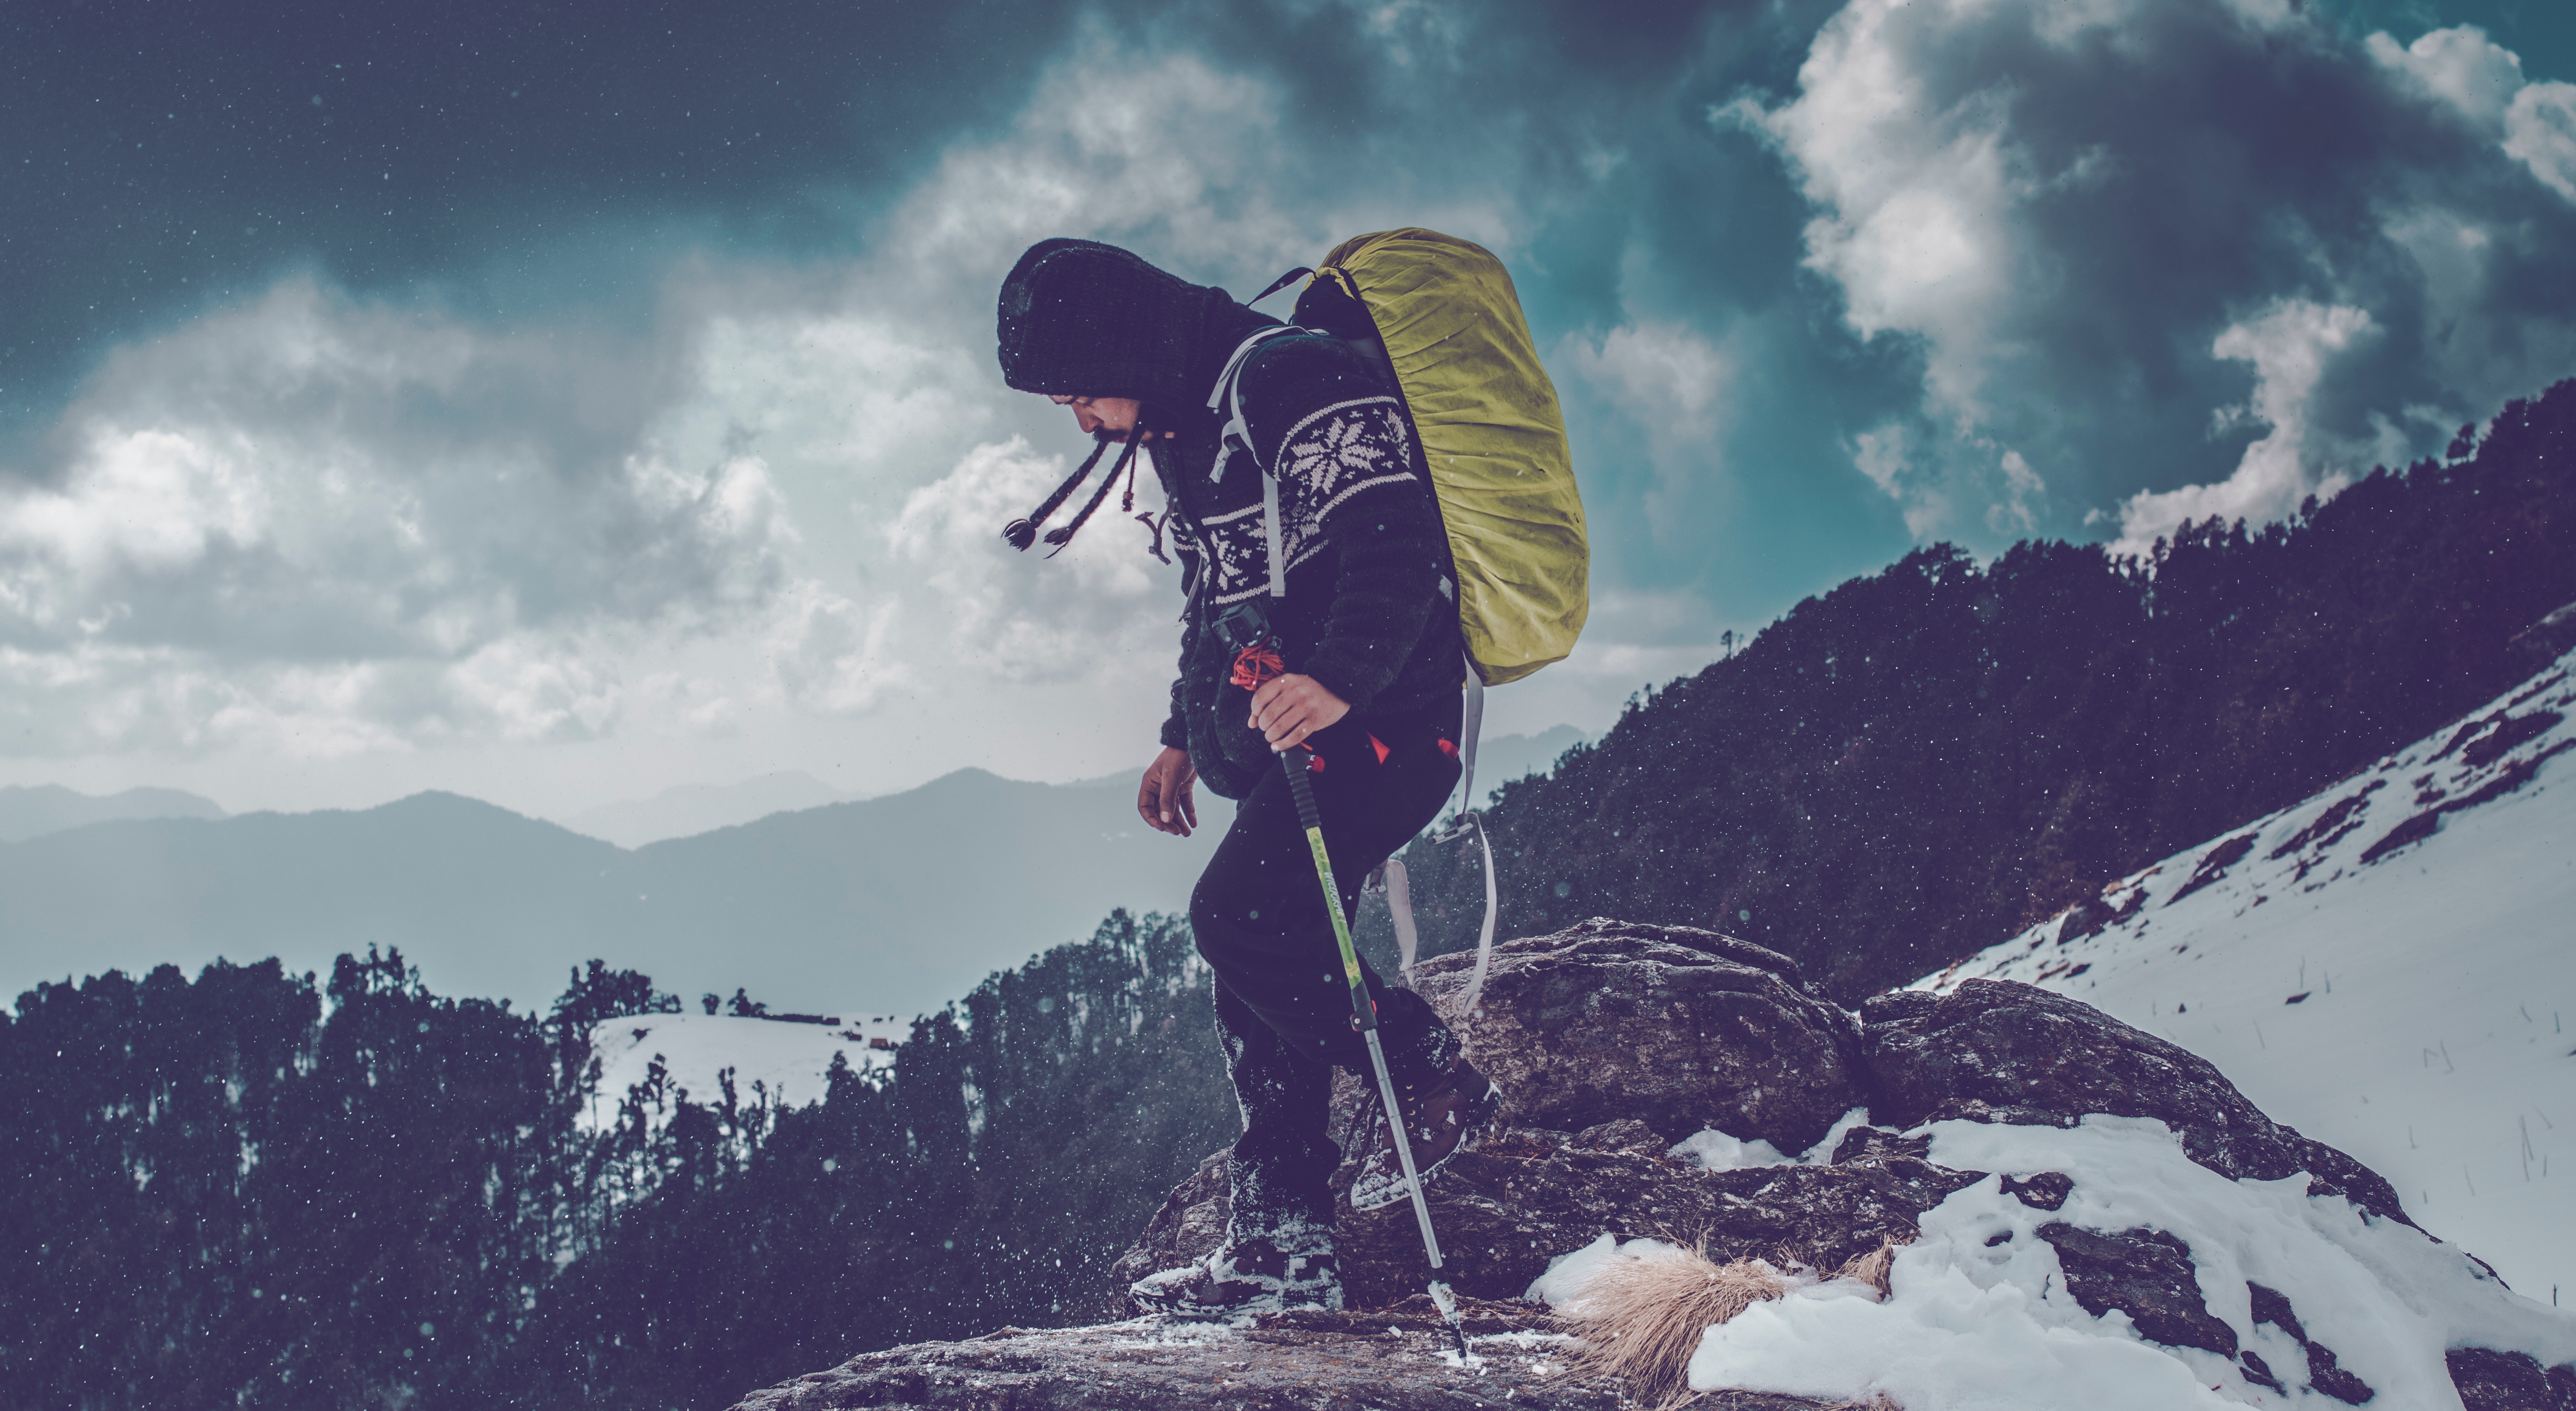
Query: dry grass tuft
[[1641, 1315], [1871, 1268]]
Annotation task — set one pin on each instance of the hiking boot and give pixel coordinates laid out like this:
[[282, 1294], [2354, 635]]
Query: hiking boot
[[1243, 1277], [1441, 1122]]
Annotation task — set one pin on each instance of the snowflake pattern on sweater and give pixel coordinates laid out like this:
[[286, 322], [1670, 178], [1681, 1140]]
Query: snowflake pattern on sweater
[[1336, 453]]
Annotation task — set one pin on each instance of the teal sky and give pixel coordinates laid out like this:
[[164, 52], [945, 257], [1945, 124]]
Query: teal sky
[[560, 405]]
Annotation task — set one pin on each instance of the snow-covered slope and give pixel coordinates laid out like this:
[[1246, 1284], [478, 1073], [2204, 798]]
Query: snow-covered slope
[[2389, 966], [780, 1061]]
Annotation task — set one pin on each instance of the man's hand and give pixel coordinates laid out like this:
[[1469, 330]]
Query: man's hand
[[1289, 708], [1163, 800]]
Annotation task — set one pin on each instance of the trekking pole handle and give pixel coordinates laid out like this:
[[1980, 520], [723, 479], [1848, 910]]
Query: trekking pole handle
[[1299, 761]]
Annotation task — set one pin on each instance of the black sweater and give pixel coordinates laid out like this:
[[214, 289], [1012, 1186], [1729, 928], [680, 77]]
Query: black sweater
[[1370, 612]]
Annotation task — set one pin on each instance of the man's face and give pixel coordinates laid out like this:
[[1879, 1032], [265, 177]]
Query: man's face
[[1117, 415]]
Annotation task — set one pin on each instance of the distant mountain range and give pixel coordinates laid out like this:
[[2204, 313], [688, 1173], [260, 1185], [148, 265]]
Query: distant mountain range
[[691, 809], [50, 808], [902, 902], [899, 903]]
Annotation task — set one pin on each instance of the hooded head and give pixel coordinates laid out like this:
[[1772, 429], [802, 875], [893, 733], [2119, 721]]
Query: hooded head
[[1079, 318]]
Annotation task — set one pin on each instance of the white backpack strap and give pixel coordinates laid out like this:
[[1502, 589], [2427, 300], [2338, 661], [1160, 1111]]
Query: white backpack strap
[[1270, 533], [1484, 938], [1471, 724], [1399, 904], [1229, 395]]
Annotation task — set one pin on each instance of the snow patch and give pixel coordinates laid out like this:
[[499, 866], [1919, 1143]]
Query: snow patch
[[1713, 1150], [1560, 1286], [784, 1064], [1979, 1314]]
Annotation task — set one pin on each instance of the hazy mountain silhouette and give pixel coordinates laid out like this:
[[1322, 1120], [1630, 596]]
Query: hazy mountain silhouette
[[29, 812], [891, 905], [691, 809]]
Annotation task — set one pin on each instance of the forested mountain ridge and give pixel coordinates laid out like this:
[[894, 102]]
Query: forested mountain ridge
[[1918, 763], [256, 1188]]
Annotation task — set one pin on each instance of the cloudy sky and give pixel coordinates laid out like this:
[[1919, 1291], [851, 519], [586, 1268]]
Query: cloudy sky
[[555, 404]]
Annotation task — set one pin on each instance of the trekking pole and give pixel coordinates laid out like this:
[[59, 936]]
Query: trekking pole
[[1297, 760]]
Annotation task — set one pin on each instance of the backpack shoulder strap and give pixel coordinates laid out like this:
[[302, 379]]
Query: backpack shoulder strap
[[1228, 396]]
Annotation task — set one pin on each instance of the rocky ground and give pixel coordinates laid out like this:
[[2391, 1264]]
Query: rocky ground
[[1392, 1357], [1618, 1043]]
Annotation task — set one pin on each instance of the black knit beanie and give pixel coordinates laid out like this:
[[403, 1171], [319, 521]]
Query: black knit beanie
[[1084, 319]]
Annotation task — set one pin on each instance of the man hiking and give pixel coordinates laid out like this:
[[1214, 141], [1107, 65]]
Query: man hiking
[[1359, 662]]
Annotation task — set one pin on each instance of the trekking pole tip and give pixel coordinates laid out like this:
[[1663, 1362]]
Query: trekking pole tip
[[1447, 1302]]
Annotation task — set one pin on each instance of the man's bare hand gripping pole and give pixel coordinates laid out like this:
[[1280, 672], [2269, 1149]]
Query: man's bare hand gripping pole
[[1285, 710]]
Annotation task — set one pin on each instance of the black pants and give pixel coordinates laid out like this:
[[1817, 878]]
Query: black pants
[[1283, 1008]]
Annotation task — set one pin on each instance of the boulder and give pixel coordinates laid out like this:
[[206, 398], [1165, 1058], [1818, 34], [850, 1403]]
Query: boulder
[[1680, 1029], [1526, 1195], [2002, 1051], [1612, 1041]]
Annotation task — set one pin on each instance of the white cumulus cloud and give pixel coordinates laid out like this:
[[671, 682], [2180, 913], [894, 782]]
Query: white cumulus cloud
[[2291, 347], [312, 508], [2040, 201], [2540, 132]]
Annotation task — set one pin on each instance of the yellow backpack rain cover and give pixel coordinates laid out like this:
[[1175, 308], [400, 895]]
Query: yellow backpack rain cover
[[1451, 324]]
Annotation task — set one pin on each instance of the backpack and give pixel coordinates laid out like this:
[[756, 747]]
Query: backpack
[[1441, 315]]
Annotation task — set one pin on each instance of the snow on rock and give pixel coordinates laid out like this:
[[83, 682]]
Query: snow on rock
[[2386, 966], [2146, 1280], [780, 1062], [1712, 1150]]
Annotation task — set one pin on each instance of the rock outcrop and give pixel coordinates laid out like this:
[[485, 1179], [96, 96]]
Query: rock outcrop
[[1612, 1042], [1615, 1043], [1677, 1028], [2488, 1380], [1996, 1051], [1307, 1361], [1526, 1195]]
